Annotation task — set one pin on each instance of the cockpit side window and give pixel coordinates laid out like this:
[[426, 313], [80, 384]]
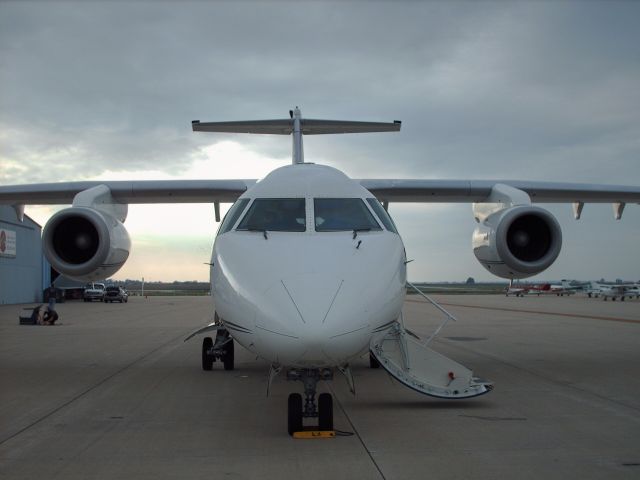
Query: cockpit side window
[[233, 215], [382, 215], [338, 214], [275, 214]]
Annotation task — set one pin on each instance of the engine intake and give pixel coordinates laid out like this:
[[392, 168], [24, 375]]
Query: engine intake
[[518, 242], [85, 244]]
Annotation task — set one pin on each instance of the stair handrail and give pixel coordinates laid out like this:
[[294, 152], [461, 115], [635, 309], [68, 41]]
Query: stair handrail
[[448, 315]]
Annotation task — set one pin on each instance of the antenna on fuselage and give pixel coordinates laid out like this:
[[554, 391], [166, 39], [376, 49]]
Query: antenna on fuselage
[[296, 126]]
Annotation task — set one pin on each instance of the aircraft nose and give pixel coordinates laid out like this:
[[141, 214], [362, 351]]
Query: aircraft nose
[[305, 302], [313, 297], [327, 318], [310, 308], [320, 309]]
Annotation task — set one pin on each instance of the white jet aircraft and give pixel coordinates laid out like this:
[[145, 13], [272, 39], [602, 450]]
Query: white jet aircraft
[[308, 271]]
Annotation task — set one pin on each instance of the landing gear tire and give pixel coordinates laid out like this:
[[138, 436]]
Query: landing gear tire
[[373, 361], [325, 412], [207, 359], [294, 411], [228, 357]]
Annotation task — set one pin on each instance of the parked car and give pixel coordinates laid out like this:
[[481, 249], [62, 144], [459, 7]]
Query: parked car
[[115, 294], [93, 291]]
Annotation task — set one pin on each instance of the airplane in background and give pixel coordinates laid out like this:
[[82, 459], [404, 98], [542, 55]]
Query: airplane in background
[[543, 289], [308, 270], [565, 288], [606, 291], [520, 290], [517, 290]]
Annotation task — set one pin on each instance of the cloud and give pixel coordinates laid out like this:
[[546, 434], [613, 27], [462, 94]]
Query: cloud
[[528, 90]]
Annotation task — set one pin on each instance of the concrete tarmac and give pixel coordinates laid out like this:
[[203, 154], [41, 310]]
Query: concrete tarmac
[[114, 392]]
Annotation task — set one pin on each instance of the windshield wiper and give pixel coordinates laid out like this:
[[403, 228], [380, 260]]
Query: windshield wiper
[[264, 231], [361, 229]]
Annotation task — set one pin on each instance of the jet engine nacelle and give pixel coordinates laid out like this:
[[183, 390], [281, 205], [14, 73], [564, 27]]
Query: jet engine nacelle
[[517, 242], [85, 244]]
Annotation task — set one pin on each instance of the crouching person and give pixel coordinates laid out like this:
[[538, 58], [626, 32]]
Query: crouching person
[[47, 316]]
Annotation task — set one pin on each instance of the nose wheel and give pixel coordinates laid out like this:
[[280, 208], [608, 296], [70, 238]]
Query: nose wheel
[[298, 410], [222, 349], [207, 358]]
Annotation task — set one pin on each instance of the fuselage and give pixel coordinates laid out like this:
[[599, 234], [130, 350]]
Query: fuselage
[[306, 267]]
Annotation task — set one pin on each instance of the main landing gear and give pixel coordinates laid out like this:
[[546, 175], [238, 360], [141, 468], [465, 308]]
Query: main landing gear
[[297, 409], [222, 349]]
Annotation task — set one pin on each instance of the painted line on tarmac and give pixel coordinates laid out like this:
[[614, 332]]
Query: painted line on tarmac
[[357, 433], [536, 312]]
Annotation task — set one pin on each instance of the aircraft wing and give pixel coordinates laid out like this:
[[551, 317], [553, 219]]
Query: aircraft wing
[[386, 190], [128, 192], [467, 191]]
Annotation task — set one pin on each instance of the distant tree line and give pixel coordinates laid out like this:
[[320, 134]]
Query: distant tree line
[[149, 286]]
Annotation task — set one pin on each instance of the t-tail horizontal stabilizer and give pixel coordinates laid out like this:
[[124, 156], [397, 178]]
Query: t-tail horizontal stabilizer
[[297, 126], [285, 127], [422, 369]]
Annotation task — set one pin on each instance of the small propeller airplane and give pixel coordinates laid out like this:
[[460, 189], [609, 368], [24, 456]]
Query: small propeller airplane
[[613, 291], [520, 290], [308, 271]]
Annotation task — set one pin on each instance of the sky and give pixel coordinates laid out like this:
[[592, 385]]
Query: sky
[[485, 90]]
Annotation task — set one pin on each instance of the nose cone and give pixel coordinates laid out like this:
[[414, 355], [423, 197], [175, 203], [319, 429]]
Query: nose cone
[[312, 296], [303, 305], [330, 316]]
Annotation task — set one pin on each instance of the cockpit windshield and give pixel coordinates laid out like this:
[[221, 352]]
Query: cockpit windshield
[[382, 215], [233, 215], [338, 214], [275, 214]]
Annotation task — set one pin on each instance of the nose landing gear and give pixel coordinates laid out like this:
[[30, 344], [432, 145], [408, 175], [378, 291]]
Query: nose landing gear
[[297, 411], [222, 349]]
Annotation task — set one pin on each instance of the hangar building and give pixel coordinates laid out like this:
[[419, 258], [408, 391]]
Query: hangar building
[[24, 272]]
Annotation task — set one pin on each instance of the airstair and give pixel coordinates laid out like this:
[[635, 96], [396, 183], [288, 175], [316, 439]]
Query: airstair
[[409, 360]]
